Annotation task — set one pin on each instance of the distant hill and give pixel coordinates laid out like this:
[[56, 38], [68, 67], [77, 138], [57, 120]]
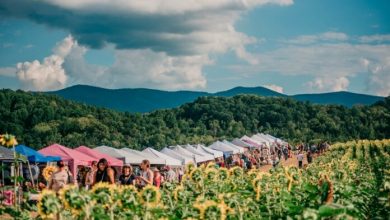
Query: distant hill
[[147, 100], [341, 98]]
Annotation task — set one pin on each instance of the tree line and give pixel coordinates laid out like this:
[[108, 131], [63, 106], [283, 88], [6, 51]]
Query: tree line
[[39, 120]]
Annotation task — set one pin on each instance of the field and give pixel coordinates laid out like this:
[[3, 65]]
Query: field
[[350, 181]]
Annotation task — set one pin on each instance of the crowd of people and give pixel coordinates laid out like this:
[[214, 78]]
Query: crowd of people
[[144, 174]]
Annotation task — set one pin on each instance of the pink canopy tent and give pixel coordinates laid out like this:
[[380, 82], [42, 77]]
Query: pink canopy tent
[[72, 157], [96, 154]]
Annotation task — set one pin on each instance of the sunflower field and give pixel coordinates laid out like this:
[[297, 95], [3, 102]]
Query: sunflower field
[[350, 181]]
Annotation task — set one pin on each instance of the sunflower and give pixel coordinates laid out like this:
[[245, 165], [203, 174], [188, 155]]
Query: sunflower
[[48, 205], [128, 196], [202, 206], [211, 173], [189, 168], [48, 172], [223, 173], [236, 171], [176, 192], [150, 196], [210, 165], [196, 174], [256, 183], [102, 193], [8, 140], [73, 199]]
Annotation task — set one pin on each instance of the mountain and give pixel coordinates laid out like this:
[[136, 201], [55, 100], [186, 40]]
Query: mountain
[[341, 98], [147, 100]]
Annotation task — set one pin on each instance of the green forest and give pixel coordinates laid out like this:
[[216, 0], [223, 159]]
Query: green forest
[[38, 120]]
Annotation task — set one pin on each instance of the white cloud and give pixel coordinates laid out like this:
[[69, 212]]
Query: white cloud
[[375, 38], [275, 88], [49, 74], [323, 37], [330, 64], [7, 71], [329, 84]]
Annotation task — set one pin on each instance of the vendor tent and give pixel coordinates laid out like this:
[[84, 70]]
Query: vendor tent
[[261, 139], [168, 159], [242, 143], [8, 155], [239, 148], [182, 151], [226, 149], [73, 157], [153, 159], [97, 154], [113, 152], [183, 158], [34, 156], [251, 141], [215, 153], [204, 156]]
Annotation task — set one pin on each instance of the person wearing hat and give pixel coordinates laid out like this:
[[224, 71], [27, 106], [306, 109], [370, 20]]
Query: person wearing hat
[[127, 177], [60, 178]]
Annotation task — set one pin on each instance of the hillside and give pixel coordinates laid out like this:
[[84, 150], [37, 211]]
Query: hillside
[[147, 100], [40, 119]]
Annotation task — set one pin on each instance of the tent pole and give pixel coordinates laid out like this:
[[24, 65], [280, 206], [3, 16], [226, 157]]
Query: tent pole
[[29, 169]]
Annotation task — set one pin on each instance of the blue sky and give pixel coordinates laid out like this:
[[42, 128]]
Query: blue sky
[[290, 46]]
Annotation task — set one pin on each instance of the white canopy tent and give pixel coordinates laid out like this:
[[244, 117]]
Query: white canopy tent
[[250, 140], [145, 156], [184, 159], [226, 149], [277, 139], [181, 150], [168, 160], [205, 156], [215, 153], [242, 143], [241, 149], [112, 152], [262, 140]]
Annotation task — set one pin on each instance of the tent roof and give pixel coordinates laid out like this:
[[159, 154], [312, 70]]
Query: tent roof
[[261, 139], [239, 148], [97, 154], [251, 141], [34, 156], [67, 154], [153, 159], [224, 148], [242, 143], [181, 150], [205, 156], [8, 154], [184, 159], [113, 152], [216, 153], [168, 160]]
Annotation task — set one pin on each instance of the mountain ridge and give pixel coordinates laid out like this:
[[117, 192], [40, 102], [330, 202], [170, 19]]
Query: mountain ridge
[[146, 100]]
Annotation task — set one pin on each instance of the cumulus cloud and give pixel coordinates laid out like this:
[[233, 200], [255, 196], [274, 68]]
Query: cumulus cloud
[[331, 64], [7, 71], [172, 26], [378, 38], [48, 74], [323, 37], [275, 88], [329, 84]]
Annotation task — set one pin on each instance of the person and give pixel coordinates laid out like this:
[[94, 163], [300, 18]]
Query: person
[[60, 178], [309, 157], [146, 175], [89, 178], [127, 177], [171, 175], [157, 178], [300, 159], [104, 173], [285, 152], [275, 161]]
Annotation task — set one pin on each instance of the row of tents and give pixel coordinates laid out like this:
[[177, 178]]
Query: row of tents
[[174, 156]]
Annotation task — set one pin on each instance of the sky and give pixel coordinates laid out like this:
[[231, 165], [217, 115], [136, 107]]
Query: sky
[[290, 46]]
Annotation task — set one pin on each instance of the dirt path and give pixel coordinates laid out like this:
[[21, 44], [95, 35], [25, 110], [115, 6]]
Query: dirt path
[[289, 162]]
